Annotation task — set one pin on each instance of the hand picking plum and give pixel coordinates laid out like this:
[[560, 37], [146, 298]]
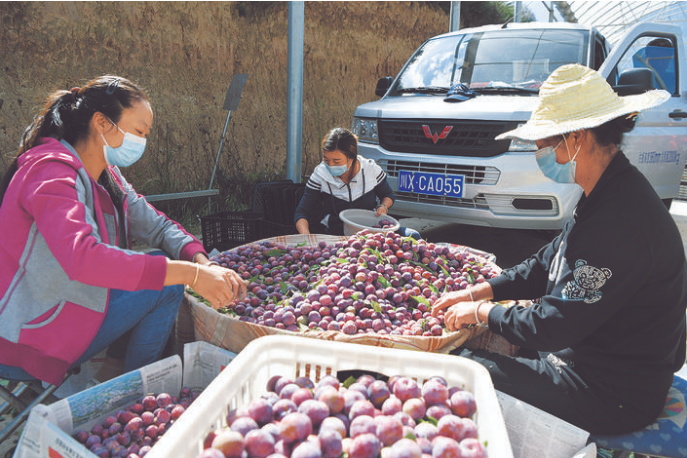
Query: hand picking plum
[[372, 283], [314, 431], [132, 432], [384, 223]]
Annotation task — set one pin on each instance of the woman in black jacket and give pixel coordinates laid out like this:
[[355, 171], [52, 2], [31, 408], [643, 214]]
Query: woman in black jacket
[[600, 345]]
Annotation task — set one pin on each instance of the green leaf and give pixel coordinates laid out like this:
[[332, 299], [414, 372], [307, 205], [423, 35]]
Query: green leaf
[[342, 260], [470, 278], [284, 287], [421, 299], [419, 264], [433, 288], [349, 381], [302, 327], [446, 272], [301, 244], [410, 436], [376, 307], [385, 283], [432, 420], [276, 253]]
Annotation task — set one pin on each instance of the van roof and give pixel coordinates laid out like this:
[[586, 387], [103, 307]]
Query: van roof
[[521, 26]]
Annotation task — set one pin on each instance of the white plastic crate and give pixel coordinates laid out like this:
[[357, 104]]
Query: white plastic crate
[[246, 379]]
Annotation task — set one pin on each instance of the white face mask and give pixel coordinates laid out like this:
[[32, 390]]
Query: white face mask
[[127, 153], [560, 173]]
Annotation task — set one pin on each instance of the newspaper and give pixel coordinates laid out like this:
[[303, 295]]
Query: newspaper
[[48, 431], [534, 433]]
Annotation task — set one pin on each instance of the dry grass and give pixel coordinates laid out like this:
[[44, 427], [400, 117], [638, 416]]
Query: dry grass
[[185, 54]]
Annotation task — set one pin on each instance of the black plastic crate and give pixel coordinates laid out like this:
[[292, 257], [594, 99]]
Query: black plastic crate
[[261, 190], [225, 230], [272, 229], [275, 209]]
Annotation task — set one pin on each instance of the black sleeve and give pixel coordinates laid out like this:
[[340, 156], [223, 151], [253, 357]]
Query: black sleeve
[[527, 280], [310, 204], [383, 189], [597, 277]]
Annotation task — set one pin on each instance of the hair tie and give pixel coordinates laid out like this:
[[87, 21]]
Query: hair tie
[[112, 87], [75, 90]]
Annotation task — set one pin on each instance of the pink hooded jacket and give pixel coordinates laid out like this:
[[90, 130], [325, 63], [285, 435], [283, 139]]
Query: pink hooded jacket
[[60, 255]]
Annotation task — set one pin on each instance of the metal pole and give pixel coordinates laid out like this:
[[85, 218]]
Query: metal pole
[[294, 121], [455, 17], [221, 142], [551, 16], [516, 11]]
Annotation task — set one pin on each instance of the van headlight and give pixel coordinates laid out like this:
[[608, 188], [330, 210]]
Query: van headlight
[[365, 130], [519, 145]]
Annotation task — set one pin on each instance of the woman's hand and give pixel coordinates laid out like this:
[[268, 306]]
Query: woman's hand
[[381, 210], [449, 299], [219, 286], [476, 292], [462, 314]]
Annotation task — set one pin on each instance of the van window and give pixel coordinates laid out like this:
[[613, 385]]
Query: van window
[[503, 58], [599, 53], [654, 53]]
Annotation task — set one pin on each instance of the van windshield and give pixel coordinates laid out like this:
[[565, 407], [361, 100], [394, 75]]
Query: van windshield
[[492, 61]]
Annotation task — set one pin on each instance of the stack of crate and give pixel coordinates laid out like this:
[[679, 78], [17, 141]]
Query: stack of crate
[[274, 205]]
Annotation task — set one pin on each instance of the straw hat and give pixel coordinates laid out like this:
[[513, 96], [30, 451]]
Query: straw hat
[[575, 97]]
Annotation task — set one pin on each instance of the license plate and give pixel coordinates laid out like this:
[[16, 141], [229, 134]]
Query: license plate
[[436, 184]]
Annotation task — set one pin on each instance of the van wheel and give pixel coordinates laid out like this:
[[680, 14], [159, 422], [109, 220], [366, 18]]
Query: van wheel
[[667, 202]]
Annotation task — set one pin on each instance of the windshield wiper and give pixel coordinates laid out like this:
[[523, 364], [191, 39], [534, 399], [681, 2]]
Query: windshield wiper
[[513, 89], [423, 90]]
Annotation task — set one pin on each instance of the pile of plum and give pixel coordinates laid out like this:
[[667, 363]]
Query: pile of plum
[[364, 419], [132, 432], [372, 283], [384, 224]]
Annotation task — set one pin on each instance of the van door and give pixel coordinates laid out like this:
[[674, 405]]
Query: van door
[[657, 145]]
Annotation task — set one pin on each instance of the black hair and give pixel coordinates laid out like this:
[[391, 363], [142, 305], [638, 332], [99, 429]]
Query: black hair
[[341, 139], [611, 132], [66, 115]]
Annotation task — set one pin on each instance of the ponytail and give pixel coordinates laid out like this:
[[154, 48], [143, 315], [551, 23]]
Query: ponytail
[[66, 115]]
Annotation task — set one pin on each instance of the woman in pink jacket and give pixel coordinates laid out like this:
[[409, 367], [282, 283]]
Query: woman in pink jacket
[[70, 285]]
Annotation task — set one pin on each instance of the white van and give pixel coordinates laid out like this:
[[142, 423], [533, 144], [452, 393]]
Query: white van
[[441, 156]]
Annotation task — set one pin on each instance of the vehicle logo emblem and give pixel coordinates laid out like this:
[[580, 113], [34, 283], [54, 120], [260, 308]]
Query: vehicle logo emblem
[[434, 137]]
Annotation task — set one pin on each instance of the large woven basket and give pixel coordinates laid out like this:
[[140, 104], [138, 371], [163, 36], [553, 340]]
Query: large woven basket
[[232, 334]]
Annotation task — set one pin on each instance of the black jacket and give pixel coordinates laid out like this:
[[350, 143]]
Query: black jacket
[[613, 289]]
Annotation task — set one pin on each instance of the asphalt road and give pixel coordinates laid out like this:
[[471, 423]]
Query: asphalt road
[[510, 246]]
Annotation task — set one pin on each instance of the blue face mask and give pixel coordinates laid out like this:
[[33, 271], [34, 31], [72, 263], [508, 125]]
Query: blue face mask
[[127, 153], [337, 170], [560, 173]]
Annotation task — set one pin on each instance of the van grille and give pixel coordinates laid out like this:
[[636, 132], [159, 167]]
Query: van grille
[[478, 202], [465, 138], [473, 174]]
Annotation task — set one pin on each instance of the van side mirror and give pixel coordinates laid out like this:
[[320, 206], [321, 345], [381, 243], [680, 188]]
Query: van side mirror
[[634, 81], [383, 86]]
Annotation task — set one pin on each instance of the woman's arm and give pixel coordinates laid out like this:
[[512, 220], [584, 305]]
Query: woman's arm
[[218, 285], [384, 206], [307, 208], [302, 226]]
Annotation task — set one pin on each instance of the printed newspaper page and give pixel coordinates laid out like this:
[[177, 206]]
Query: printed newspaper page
[[202, 363], [85, 409], [534, 433]]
